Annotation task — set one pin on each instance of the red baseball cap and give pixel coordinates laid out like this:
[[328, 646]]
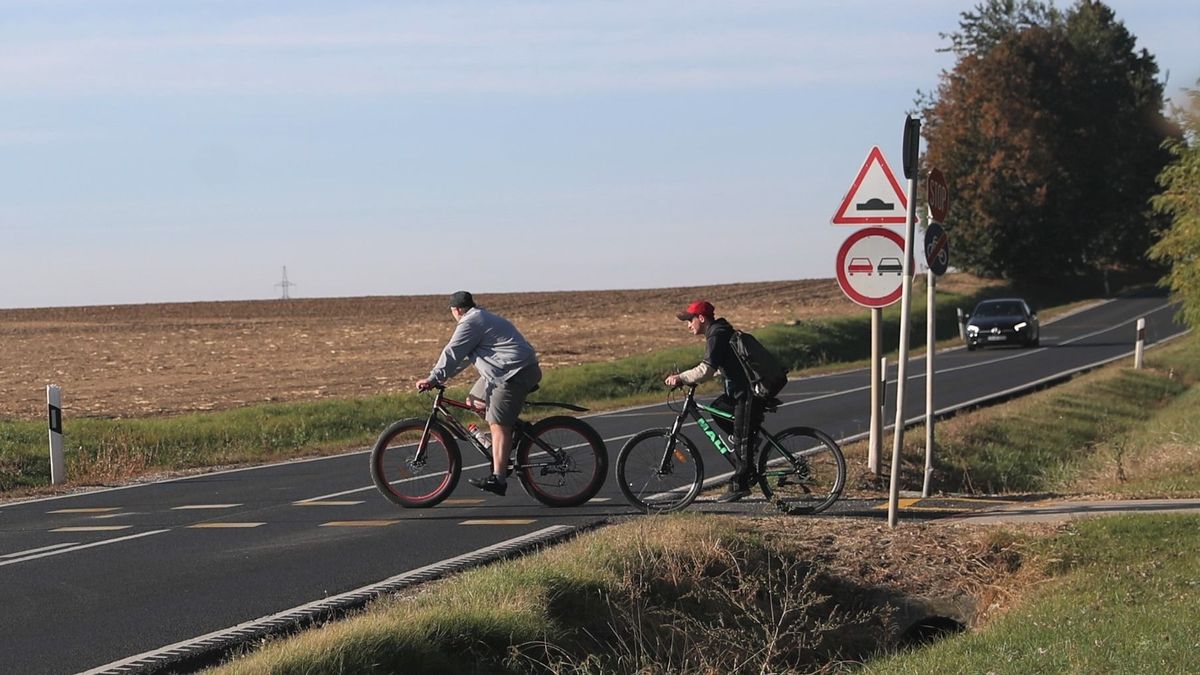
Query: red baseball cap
[[697, 308]]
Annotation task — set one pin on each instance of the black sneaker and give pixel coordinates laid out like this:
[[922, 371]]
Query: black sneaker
[[491, 484], [734, 493]]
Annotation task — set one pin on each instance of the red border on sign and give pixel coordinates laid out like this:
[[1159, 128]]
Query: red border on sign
[[840, 217], [844, 281]]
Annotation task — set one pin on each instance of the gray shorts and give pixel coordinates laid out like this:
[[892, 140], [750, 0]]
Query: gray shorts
[[504, 400]]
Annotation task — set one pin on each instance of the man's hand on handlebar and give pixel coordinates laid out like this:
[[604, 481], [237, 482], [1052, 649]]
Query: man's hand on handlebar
[[673, 381], [427, 384]]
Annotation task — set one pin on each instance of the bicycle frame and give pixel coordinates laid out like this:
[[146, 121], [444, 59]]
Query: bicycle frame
[[441, 412], [695, 410]]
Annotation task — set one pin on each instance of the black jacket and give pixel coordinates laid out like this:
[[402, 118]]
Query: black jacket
[[719, 355]]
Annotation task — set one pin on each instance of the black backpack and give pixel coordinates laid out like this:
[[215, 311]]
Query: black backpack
[[766, 374]]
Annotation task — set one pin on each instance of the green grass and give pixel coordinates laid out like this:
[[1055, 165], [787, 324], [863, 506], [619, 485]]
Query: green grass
[[1083, 429], [1125, 599]]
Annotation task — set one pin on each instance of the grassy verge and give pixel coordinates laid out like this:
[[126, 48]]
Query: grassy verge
[[1114, 430], [1125, 598], [104, 450]]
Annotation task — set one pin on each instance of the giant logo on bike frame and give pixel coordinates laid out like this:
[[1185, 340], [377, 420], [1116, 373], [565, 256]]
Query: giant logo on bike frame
[[712, 436]]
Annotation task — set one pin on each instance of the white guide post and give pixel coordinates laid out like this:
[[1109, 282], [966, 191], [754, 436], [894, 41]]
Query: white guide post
[[58, 469], [1140, 350]]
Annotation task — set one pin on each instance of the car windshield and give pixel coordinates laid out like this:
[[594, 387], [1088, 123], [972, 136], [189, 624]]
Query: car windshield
[[999, 309]]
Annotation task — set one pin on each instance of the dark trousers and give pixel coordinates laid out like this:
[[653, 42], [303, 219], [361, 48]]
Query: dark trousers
[[747, 419]]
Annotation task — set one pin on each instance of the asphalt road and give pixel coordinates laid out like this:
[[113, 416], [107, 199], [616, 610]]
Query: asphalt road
[[92, 579]]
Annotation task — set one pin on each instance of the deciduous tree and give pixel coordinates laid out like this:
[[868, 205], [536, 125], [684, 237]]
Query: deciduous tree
[[1179, 200], [1049, 131]]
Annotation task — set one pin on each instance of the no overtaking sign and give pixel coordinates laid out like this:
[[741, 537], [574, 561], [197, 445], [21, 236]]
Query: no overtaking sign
[[870, 267]]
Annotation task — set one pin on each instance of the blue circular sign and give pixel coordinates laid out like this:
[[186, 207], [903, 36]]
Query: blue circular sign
[[937, 249]]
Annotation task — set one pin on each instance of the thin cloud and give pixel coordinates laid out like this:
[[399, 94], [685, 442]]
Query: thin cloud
[[495, 48]]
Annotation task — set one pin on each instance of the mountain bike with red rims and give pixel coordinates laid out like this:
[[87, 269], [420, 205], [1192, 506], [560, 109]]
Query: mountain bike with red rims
[[559, 460]]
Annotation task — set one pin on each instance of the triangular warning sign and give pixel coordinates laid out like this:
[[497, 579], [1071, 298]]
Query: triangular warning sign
[[875, 198]]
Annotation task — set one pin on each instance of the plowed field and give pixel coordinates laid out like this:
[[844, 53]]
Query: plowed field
[[136, 360]]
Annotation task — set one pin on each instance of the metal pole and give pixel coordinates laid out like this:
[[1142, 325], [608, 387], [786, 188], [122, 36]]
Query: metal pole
[[930, 348], [58, 471], [878, 375], [902, 359], [1140, 350]]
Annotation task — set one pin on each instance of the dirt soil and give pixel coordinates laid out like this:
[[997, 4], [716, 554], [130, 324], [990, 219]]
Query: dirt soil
[[138, 360]]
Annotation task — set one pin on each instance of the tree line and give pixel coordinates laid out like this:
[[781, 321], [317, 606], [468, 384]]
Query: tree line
[[1052, 131]]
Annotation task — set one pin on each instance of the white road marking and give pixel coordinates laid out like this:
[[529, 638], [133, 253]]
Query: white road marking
[[92, 528], [203, 506], [80, 548], [18, 554]]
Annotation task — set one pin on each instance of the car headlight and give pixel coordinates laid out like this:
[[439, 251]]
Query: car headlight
[[1020, 326], [972, 329]]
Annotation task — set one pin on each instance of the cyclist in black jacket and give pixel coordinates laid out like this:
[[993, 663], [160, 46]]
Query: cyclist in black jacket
[[747, 408]]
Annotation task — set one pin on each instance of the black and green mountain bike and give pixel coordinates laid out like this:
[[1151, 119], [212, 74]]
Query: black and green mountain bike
[[799, 469]]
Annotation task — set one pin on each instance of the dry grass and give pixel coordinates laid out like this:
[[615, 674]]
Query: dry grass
[[679, 594]]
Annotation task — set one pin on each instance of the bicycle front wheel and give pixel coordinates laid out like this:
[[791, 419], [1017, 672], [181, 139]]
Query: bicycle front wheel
[[657, 475], [413, 479], [801, 470], [562, 461]]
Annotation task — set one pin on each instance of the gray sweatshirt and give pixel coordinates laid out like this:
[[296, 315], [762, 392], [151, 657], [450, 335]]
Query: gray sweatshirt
[[489, 341]]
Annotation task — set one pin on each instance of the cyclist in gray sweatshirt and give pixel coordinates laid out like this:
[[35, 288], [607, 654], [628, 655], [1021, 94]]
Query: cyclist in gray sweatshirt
[[508, 369]]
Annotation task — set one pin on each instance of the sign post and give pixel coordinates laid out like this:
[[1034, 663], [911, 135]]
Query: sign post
[[912, 130], [937, 257], [874, 198], [868, 271]]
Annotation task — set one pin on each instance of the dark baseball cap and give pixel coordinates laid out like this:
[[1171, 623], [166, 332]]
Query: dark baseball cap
[[462, 300], [697, 308]]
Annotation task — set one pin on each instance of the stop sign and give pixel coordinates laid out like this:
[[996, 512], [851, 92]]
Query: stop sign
[[937, 194]]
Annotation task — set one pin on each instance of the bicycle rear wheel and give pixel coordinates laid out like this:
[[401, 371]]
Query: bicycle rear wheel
[[801, 470], [561, 461], [407, 480], [657, 477]]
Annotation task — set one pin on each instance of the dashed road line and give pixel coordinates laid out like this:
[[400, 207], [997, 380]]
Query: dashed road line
[[192, 507], [463, 501], [359, 523], [500, 521], [219, 526], [92, 528], [87, 510], [327, 502]]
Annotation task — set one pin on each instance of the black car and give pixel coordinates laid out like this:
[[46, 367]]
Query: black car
[[1002, 321]]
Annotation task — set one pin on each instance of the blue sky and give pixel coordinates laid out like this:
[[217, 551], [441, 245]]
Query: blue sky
[[181, 150]]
